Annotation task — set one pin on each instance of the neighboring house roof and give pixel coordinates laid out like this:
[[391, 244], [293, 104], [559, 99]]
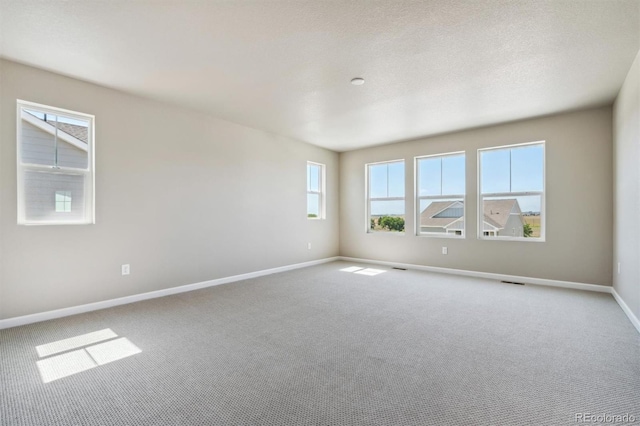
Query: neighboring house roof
[[427, 218], [79, 133], [496, 213]]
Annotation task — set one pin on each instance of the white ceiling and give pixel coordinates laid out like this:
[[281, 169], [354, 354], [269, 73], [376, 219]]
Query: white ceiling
[[285, 66]]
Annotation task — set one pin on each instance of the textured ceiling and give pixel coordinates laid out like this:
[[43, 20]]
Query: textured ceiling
[[285, 66]]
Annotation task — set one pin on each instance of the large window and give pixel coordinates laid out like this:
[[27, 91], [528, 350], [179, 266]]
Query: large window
[[440, 191], [511, 204], [315, 190], [385, 196], [55, 166]]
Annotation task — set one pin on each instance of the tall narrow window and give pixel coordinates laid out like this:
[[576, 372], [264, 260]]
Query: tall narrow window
[[440, 191], [511, 202], [385, 196], [315, 190], [55, 165]]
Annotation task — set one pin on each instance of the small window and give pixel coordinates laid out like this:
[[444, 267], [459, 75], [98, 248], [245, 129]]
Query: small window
[[511, 202], [63, 201], [440, 192], [315, 190], [55, 165], [385, 196]]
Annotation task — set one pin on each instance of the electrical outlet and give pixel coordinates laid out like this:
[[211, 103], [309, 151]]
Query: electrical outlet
[[126, 270], [618, 267], [445, 250], [309, 246]]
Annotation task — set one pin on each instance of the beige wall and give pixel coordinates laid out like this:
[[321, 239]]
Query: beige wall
[[579, 201], [184, 197], [181, 196], [626, 128]]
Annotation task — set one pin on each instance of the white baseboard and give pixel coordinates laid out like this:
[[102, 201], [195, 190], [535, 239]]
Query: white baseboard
[[64, 312], [488, 275], [501, 277], [59, 313], [634, 320]]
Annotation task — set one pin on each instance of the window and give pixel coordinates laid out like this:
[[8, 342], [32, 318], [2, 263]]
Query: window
[[63, 201], [315, 190], [440, 191], [385, 196], [511, 204], [55, 165]]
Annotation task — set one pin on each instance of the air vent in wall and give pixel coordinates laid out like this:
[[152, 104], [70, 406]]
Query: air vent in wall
[[511, 282]]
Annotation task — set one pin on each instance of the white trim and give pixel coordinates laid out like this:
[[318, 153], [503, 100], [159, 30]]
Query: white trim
[[446, 154], [513, 145], [384, 162], [445, 234], [501, 277], [488, 275], [387, 199], [55, 110], [634, 320], [509, 195], [74, 310]]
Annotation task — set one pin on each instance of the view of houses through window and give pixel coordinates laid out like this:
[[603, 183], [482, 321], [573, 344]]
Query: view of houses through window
[[55, 165], [385, 197], [511, 200], [440, 191]]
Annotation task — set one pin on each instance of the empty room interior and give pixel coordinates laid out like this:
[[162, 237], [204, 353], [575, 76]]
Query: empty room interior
[[319, 212]]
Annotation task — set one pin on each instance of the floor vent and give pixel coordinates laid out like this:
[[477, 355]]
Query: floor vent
[[511, 282], [399, 269]]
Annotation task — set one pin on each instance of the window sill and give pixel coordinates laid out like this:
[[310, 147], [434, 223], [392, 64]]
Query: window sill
[[385, 233], [55, 223], [528, 240], [459, 237]]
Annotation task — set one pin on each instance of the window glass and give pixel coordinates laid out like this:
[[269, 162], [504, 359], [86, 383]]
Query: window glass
[[55, 165]]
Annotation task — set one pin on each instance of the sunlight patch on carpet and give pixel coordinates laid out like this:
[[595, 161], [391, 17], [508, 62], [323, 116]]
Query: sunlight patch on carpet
[[76, 361]]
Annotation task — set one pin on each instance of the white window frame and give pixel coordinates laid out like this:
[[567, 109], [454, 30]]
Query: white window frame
[[368, 200], [418, 197], [542, 194], [89, 174], [321, 193]]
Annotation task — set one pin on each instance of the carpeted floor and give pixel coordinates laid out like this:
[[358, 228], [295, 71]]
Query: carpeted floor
[[320, 346]]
